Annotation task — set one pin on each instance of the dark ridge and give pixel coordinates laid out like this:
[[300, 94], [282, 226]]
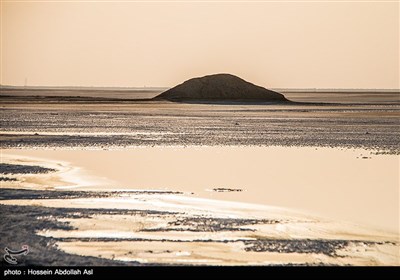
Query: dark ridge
[[6, 168]]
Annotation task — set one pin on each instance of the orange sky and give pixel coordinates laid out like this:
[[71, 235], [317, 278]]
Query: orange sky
[[274, 44]]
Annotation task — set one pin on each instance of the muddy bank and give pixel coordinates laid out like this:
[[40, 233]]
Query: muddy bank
[[18, 227], [104, 126], [6, 168], [6, 194]]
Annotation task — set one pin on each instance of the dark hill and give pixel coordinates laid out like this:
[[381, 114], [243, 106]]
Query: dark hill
[[220, 87]]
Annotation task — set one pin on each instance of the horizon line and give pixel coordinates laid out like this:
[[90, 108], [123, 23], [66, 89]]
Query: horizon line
[[165, 87]]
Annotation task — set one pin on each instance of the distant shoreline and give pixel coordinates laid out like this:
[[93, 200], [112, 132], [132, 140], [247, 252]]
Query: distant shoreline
[[149, 97], [160, 89]]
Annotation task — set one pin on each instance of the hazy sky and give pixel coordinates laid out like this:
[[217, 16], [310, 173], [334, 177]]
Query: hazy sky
[[274, 44]]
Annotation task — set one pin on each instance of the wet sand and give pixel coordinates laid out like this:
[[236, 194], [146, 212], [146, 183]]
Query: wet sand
[[97, 123]]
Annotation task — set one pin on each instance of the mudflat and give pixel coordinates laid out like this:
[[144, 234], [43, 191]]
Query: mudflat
[[45, 121], [89, 180]]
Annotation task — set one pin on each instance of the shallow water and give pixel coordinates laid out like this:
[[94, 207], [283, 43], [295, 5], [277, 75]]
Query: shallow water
[[341, 184]]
